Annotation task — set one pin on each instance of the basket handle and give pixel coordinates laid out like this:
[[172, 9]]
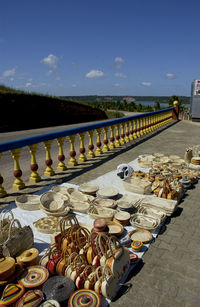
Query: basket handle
[[115, 242], [3, 214], [10, 228], [106, 272]]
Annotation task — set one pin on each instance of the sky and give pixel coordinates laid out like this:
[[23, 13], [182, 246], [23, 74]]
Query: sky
[[107, 47]]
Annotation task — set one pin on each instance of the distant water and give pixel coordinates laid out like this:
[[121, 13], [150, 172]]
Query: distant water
[[151, 103]]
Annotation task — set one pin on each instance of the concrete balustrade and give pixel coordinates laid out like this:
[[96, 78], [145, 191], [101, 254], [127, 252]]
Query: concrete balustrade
[[106, 136]]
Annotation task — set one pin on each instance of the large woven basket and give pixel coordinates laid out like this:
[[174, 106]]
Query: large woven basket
[[95, 212], [136, 185], [52, 201], [28, 202]]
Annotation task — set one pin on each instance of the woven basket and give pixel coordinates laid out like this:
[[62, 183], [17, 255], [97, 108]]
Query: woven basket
[[28, 202], [146, 222], [142, 235], [6, 218], [46, 224], [52, 201], [95, 212], [138, 186]]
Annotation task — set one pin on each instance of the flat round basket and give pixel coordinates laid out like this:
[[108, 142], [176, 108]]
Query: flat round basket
[[62, 212], [59, 288], [142, 235], [34, 276], [87, 298], [108, 193], [28, 202], [87, 188], [33, 296], [142, 221], [122, 216], [11, 294], [46, 224], [51, 201], [62, 190], [74, 194], [103, 202], [115, 229], [50, 303]]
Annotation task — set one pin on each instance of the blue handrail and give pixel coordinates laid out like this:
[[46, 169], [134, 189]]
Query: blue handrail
[[67, 132]]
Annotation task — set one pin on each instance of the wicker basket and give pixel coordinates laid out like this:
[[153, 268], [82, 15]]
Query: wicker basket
[[52, 201], [28, 202], [95, 212], [146, 222], [136, 185]]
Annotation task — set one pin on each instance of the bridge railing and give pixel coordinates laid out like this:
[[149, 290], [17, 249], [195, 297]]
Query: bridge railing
[[109, 134]]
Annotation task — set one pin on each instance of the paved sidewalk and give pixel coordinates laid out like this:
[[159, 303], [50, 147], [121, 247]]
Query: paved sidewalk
[[170, 272]]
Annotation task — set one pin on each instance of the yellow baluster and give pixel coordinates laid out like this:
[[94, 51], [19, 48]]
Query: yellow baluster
[[122, 140], [98, 143], [61, 157], [138, 128], [90, 146], [147, 124], [117, 142], [49, 170], [105, 141], [141, 127], [127, 139], [18, 183], [72, 161], [131, 131], [134, 129], [34, 166], [2, 191], [82, 157], [144, 126], [112, 144]]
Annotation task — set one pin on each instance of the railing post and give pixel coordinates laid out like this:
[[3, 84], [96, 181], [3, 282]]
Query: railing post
[[82, 157], [72, 161], [90, 146], [18, 183], [138, 128], [127, 139], [175, 114], [105, 141], [141, 127], [2, 191], [61, 157], [117, 142], [131, 131], [134, 129], [34, 166], [49, 170], [112, 139], [122, 140], [98, 143]]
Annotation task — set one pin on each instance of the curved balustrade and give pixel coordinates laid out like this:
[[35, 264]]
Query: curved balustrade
[[109, 134]]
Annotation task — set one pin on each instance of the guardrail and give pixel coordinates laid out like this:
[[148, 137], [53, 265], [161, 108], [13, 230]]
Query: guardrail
[[120, 131]]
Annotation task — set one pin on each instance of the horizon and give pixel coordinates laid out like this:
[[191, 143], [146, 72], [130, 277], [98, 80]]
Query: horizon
[[106, 48]]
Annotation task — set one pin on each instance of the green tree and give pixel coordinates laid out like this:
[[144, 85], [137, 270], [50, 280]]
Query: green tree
[[157, 105]]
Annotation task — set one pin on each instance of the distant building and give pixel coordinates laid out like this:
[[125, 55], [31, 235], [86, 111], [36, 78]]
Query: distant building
[[129, 99], [195, 100]]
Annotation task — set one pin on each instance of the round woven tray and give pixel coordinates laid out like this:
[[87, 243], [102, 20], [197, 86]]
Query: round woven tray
[[61, 212], [84, 298], [34, 276], [142, 221], [59, 288], [46, 224], [142, 235], [115, 229], [87, 188], [108, 193]]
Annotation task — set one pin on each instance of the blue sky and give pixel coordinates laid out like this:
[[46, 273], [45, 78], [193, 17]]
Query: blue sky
[[90, 47]]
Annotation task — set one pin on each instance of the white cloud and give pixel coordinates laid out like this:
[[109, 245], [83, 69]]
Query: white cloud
[[95, 74], [120, 75], [49, 72], [170, 76], [28, 84], [9, 73], [118, 62], [58, 78], [12, 79], [51, 61], [117, 85], [74, 85], [146, 83]]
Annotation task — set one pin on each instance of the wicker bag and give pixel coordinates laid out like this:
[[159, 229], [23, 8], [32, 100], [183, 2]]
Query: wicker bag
[[18, 242], [6, 217]]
